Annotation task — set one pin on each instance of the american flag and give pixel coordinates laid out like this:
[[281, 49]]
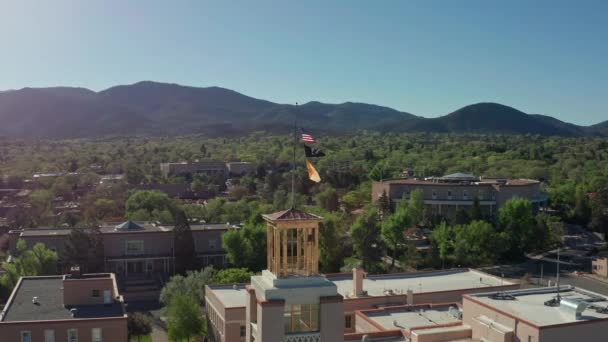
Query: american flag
[[307, 138]]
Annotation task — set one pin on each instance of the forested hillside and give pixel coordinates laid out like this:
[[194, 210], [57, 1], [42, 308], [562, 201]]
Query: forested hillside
[[152, 108]]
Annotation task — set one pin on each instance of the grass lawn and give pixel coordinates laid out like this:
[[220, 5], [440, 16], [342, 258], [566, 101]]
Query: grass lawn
[[144, 338]]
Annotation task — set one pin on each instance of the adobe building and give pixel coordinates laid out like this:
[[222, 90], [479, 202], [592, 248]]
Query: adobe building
[[291, 301], [599, 267], [535, 315], [443, 196], [136, 249], [74, 307]]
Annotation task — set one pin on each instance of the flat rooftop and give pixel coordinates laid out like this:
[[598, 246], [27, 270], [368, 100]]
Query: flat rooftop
[[528, 305], [231, 297], [399, 283], [49, 291], [407, 318]]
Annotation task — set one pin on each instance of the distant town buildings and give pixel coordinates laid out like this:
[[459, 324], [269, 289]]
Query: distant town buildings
[[210, 167], [444, 196], [73, 307]]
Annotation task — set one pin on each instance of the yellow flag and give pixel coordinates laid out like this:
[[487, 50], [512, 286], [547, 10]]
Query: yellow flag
[[312, 173]]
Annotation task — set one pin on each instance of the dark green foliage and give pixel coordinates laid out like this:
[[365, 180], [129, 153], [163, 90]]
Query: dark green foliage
[[330, 249], [84, 247], [184, 318], [232, 276], [599, 209], [515, 219], [246, 247], [185, 256], [192, 284], [367, 242], [139, 324]]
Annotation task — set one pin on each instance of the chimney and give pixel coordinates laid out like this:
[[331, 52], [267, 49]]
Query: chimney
[[410, 297], [358, 276], [75, 272]]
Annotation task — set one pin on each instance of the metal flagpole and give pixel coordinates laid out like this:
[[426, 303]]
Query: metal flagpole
[[293, 165]]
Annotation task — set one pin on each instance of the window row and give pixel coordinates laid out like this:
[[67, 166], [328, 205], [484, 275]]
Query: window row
[[49, 335]]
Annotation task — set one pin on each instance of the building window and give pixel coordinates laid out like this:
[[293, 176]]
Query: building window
[[72, 335], [301, 318], [134, 247], [434, 194], [96, 335], [26, 336], [49, 335], [212, 244], [407, 195], [95, 293], [348, 321], [465, 196], [449, 194], [243, 331]]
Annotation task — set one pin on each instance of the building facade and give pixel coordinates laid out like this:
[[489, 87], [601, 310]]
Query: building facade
[[136, 249], [74, 307], [444, 196], [211, 167], [290, 301]]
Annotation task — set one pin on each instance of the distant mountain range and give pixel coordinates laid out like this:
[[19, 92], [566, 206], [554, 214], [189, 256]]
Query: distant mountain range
[[162, 108]]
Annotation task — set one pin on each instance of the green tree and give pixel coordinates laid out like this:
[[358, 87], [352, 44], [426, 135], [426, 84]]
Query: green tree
[[442, 238], [36, 261], [193, 284], [384, 203], [148, 200], [415, 207], [476, 213], [379, 172], [138, 325], [330, 249], [235, 246], [393, 228], [183, 242], [366, 237], [599, 212], [232, 275], [77, 249], [516, 220], [184, 318], [327, 198]]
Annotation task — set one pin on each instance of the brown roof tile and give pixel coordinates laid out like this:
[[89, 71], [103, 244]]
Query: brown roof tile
[[291, 214]]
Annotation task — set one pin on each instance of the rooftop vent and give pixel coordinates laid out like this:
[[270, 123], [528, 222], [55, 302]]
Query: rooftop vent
[[455, 312], [73, 311], [502, 296], [35, 300], [574, 305]]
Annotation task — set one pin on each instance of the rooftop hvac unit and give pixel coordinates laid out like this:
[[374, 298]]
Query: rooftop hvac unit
[[455, 312]]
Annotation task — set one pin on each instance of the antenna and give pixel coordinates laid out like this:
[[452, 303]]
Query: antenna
[[557, 277], [293, 165]]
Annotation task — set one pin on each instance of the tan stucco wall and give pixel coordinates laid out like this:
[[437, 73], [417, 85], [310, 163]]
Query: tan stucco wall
[[114, 329], [79, 291], [332, 320], [594, 331], [271, 322], [600, 267]]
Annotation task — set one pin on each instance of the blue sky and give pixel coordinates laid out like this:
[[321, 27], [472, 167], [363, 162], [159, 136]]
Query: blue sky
[[424, 57]]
